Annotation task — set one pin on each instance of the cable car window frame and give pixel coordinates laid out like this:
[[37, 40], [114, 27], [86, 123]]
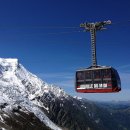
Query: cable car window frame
[[88, 75], [80, 76], [106, 73], [97, 74]]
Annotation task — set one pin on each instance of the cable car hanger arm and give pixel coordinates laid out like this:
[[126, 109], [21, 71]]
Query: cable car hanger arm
[[92, 28]]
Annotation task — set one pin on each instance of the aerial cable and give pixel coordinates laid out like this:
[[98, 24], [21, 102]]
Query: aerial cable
[[56, 27], [121, 22], [64, 32], [40, 27]]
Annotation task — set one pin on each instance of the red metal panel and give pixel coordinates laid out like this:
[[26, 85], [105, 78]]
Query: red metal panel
[[105, 90]]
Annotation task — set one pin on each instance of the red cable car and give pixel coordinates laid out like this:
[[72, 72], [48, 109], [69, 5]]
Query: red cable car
[[101, 79], [97, 79]]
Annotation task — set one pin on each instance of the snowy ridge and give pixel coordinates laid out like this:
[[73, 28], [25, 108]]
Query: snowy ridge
[[19, 86]]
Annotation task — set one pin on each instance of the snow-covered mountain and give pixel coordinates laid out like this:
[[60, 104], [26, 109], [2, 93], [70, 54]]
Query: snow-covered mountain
[[20, 87], [28, 103]]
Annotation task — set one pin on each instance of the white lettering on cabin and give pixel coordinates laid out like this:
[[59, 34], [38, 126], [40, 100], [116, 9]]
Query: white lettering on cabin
[[105, 85], [100, 85], [88, 86], [95, 85]]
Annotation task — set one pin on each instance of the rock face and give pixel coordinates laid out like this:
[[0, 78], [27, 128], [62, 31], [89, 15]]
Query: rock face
[[20, 119], [28, 103]]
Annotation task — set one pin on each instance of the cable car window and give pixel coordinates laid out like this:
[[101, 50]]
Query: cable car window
[[80, 75], [114, 83], [88, 74], [97, 74], [115, 74], [106, 73]]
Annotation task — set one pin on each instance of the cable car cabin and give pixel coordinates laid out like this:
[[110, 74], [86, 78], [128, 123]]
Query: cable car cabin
[[99, 79]]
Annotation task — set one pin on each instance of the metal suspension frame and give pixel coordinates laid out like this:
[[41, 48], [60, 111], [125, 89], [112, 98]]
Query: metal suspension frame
[[92, 28], [93, 46]]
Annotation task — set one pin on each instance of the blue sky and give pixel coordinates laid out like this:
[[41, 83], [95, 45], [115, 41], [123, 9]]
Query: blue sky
[[55, 53]]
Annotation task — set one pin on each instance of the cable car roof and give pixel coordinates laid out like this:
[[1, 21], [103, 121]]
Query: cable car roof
[[95, 68]]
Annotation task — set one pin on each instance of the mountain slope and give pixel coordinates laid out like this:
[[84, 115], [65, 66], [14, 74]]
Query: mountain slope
[[19, 87], [20, 119]]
